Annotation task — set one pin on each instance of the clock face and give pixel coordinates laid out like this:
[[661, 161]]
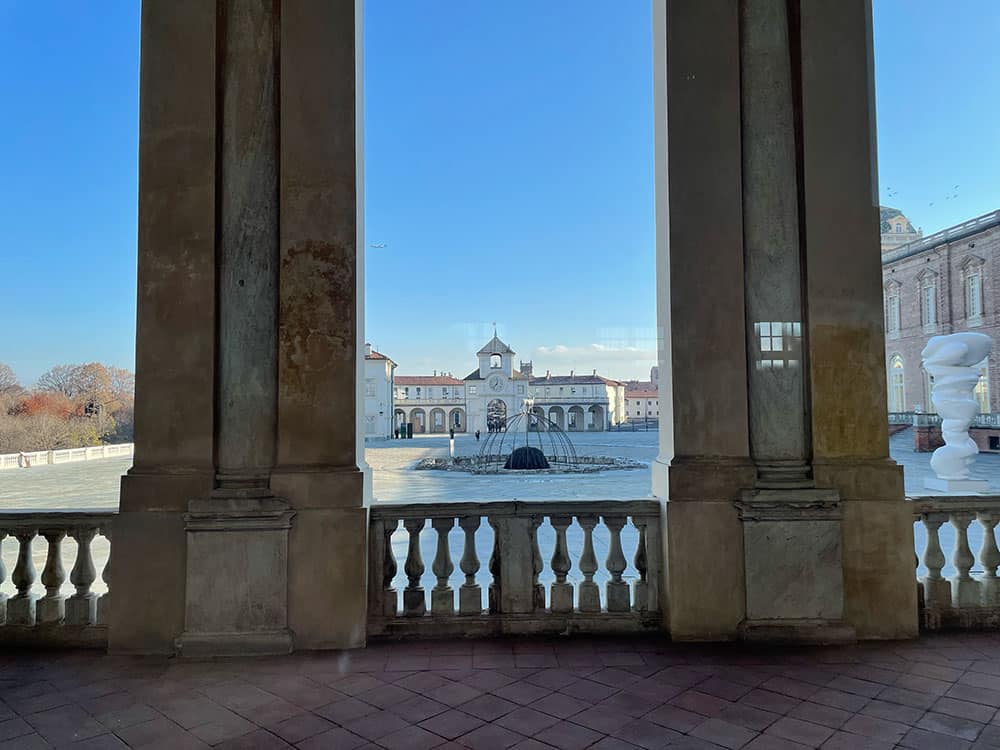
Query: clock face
[[496, 382]]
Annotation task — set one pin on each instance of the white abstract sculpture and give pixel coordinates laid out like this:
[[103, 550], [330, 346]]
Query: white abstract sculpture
[[953, 362]]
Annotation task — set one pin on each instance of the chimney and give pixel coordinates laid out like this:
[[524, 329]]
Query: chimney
[[571, 373], [595, 372], [435, 373], [548, 374], [368, 349]]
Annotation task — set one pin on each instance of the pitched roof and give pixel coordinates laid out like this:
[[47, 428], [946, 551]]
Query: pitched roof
[[642, 394], [573, 380], [377, 355], [495, 346], [426, 380]]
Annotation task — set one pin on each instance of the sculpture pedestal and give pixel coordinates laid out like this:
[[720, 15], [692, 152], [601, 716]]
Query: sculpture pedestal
[[957, 486]]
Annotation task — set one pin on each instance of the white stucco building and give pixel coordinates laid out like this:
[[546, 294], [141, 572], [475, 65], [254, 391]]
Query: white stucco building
[[579, 402], [379, 371], [642, 405]]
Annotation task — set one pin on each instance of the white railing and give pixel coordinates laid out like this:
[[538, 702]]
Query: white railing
[[516, 592], [957, 568], [52, 609], [42, 458], [920, 419]]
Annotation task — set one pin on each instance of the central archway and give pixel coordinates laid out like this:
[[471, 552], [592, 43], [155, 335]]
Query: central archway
[[496, 415]]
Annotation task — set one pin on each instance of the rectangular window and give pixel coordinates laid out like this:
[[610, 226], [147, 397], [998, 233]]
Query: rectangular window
[[974, 295], [472, 390], [928, 305], [892, 312], [370, 387], [444, 393]]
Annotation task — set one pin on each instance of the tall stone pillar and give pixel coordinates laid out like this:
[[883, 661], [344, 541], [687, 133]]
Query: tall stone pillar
[[704, 459], [847, 382], [243, 519], [768, 495]]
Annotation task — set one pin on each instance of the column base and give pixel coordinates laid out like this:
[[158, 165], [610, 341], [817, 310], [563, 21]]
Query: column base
[[812, 632], [205, 645]]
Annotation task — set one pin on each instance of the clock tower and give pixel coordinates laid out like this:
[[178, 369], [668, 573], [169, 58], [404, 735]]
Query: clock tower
[[495, 392]]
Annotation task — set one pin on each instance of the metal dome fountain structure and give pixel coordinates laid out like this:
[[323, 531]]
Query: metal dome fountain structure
[[528, 442]]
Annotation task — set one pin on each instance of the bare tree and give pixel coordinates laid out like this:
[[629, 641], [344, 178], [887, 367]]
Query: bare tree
[[65, 379], [8, 380]]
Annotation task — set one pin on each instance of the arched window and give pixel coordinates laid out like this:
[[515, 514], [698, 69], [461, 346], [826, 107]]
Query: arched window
[[982, 391], [897, 384], [496, 361]]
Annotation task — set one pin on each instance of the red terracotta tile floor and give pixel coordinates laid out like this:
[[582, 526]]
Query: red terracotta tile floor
[[939, 692]]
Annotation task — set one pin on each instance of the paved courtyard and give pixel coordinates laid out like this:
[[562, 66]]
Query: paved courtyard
[[935, 693]]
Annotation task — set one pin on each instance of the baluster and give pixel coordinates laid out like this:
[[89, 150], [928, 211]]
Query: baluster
[[964, 588], [442, 595], [3, 577], [81, 608], [494, 568], [562, 592], [937, 591], [52, 607], [104, 603], [989, 557], [616, 590], [537, 589], [414, 604], [470, 596], [641, 595], [390, 603], [21, 608], [590, 595]]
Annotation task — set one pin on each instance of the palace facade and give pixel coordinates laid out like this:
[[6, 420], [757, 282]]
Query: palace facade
[[944, 283]]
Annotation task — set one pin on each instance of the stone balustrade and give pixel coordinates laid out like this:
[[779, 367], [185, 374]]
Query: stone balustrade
[[957, 567], [523, 567], [66, 455], [41, 610]]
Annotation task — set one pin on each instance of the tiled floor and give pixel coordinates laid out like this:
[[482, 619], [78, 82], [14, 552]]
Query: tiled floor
[[937, 693]]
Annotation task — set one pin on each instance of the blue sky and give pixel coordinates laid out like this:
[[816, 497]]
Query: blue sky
[[508, 167]]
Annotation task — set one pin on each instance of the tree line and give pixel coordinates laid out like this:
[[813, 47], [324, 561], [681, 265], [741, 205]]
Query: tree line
[[71, 406]]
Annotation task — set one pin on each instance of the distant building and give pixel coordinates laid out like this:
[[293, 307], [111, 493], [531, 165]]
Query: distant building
[[896, 229], [653, 384], [495, 391], [379, 371], [642, 405], [944, 283], [433, 403], [579, 402]]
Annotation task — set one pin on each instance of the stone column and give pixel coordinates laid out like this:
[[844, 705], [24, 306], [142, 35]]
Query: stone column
[[764, 150], [704, 453], [175, 326], [247, 360], [319, 358], [847, 382]]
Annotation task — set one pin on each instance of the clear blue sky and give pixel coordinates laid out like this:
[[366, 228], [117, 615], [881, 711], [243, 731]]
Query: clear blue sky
[[509, 171]]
